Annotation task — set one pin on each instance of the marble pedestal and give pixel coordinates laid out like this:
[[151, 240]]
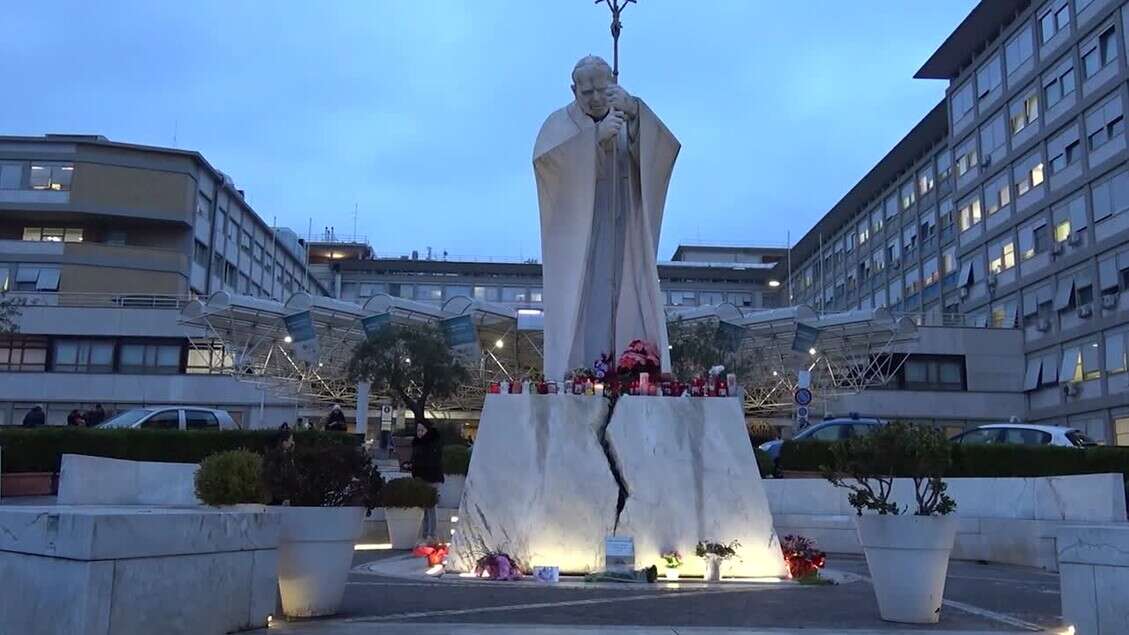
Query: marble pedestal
[[103, 570], [541, 487], [1093, 576]]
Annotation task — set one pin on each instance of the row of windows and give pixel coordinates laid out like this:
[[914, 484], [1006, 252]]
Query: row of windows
[[36, 175], [29, 277], [102, 355], [1079, 361]]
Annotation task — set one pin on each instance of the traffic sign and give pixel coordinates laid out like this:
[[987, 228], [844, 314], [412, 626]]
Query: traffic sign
[[802, 413], [802, 396]]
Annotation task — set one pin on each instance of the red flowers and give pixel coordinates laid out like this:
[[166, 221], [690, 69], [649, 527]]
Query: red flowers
[[435, 552], [801, 556], [640, 357]]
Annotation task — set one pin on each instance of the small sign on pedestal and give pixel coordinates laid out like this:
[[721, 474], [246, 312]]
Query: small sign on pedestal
[[619, 554]]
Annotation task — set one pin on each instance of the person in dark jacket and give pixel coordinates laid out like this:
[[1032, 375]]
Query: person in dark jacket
[[336, 420], [34, 417], [427, 464], [75, 418], [95, 416]]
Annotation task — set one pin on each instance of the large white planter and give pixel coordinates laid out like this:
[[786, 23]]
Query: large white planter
[[451, 490], [713, 568], [403, 526], [908, 558], [314, 555]]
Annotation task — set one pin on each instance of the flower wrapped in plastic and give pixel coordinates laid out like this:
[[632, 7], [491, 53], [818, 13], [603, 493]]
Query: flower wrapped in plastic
[[435, 552], [640, 356], [801, 556], [497, 566]]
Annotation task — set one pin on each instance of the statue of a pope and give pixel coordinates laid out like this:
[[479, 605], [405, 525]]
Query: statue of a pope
[[603, 164]]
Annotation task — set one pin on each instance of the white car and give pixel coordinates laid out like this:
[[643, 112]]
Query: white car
[[172, 418], [1025, 434]]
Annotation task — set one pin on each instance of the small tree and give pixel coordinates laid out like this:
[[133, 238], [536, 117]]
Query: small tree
[[695, 348], [412, 364], [867, 466], [9, 313]]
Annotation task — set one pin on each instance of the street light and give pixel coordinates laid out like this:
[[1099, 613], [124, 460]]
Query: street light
[[811, 351], [499, 344], [288, 339], [774, 283]]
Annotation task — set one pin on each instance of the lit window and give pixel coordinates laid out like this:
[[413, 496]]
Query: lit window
[[51, 176], [1028, 174], [1024, 113], [969, 214]]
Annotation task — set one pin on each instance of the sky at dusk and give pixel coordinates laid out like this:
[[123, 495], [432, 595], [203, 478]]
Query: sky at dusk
[[422, 114]]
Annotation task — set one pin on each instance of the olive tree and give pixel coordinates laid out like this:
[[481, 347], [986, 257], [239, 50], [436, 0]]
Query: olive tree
[[412, 364]]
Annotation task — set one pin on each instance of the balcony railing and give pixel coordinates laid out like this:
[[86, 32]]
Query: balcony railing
[[100, 300]]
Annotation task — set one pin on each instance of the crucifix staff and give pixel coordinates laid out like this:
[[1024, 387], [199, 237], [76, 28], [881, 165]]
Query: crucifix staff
[[616, 8]]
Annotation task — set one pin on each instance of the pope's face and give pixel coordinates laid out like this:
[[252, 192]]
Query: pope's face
[[591, 91]]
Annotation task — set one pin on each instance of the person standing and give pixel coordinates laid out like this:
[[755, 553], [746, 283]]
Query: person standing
[[34, 417], [427, 464], [336, 420], [95, 416], [75, 418]]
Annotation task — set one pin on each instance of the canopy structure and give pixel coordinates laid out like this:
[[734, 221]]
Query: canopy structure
[[299, 349], [844, 353]]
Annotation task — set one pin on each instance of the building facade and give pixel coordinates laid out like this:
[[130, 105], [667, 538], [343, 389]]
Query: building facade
[[1006, 207], [105, 242]]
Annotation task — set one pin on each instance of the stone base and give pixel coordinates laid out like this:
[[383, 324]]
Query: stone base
[[1093, 574], [104, 570], [540, 486]]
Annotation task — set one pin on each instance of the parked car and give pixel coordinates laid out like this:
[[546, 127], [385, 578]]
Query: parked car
[[172, 418], [828, 430], [1025, 434]]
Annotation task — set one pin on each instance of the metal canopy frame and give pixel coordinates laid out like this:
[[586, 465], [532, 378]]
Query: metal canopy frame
[[854, 350]]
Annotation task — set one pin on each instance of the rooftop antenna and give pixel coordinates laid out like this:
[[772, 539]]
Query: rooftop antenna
[[356, 206]]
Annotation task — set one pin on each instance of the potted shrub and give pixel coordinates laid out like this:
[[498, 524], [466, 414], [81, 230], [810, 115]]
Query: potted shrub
[[233, 477], [714, 553], [323, 495], [404, 500], [907, 553], [456, 462]]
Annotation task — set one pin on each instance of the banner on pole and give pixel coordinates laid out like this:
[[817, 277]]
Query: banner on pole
[[304, 339]]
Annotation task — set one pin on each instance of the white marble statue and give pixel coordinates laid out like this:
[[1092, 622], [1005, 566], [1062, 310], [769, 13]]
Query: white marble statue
[[599, 245]]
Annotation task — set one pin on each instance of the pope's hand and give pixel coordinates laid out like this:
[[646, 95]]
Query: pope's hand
[[623, 102], [610, 126]]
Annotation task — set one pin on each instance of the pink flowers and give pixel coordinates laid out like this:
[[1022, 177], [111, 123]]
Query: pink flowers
[[640, 357]]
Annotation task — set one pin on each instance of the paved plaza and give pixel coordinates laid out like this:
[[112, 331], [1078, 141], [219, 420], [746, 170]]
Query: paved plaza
[[979, 599]]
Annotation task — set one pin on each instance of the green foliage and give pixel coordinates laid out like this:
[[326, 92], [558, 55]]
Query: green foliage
[[456, 459], [1001, 460], [231, 478], [721, 550], [804, 456], [10, 310], [867, 465], [408, 492], [322, 476], [412, 364], [41, 449], [764, 463], [697, 347]]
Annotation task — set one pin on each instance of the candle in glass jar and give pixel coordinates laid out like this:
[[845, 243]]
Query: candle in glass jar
[[599, 390], [504, 388], [644, 381]]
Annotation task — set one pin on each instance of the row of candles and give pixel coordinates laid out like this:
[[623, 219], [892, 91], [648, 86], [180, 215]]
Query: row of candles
[[711, 386]]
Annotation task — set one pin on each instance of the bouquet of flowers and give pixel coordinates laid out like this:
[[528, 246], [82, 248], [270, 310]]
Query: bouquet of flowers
[[640, 357], [719, 550], [803, 559], [497, 566], [435, 552], [601, 368], [673, 559]]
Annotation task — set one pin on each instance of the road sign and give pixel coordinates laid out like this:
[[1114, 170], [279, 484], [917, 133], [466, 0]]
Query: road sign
[[802, 412], [802, 396]]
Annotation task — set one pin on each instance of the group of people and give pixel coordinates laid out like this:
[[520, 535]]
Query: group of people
[[37, 417]]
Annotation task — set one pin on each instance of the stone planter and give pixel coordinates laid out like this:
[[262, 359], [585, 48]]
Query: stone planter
[[29, 484], [403, 526], [451, 490], [713, 568], [314, 555], [672, 574], [908, 558]]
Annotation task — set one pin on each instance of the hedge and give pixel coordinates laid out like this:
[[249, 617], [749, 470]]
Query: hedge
[[764, 462], [987, 460], [456, 460], [41, 449]]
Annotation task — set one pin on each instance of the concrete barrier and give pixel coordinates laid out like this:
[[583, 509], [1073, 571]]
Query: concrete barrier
[[95, 480], [1093, 574], [1005, 520], [105, 570]]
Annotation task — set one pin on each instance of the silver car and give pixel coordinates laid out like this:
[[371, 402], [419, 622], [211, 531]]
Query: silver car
[[1025, 434], [172, 418]]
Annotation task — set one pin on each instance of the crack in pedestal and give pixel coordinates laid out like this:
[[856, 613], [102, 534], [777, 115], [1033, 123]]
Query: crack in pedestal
[[613, 466]]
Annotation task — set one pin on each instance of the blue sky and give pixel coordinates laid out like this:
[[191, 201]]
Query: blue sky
[[423, 113]]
